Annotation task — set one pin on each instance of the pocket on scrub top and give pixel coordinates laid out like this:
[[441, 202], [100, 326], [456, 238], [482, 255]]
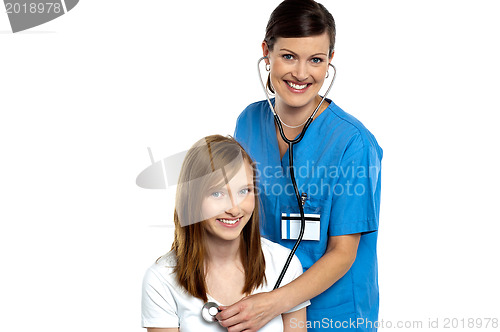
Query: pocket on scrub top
[[291, 223]]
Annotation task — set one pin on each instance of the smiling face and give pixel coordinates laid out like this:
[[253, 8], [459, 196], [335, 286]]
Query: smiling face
[[298, 69], [230, 205]]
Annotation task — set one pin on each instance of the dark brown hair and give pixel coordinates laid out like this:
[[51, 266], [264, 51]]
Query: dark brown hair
[[209, 154], [299, 18]]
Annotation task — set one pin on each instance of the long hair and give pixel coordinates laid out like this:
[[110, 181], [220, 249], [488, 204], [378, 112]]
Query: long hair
[[200, 164], [299, 18]]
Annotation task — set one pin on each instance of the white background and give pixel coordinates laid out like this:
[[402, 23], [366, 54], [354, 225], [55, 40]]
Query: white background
[[83, 96]]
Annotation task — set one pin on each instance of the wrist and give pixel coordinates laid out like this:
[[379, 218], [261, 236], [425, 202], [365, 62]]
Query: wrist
[[281, 300]]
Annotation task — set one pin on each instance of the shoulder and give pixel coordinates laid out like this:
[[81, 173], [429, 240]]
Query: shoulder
[[273, 247], [250, 122], [274, 253], [163, 269], [257, 106], [254, 110], [276, 256], [166, 261], [355, 133]]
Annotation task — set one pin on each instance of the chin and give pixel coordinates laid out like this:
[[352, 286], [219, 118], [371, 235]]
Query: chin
[[228, 237], [297, 100]]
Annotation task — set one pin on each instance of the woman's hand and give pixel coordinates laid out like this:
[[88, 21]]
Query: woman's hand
[[255, 311], [250, 313]]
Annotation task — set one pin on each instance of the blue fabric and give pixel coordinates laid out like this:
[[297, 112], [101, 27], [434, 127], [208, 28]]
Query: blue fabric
[[337, 164]]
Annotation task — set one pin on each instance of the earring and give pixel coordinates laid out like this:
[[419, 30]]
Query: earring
[[327, 74], [268, 67]]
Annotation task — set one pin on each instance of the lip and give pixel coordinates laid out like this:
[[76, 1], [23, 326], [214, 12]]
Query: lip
[[297, 83], [228, 225]]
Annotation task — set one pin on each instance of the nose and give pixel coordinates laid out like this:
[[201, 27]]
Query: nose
[[300, 71], [233, 207]]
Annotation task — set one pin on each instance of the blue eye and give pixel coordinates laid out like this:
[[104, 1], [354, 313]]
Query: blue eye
[[316, 60], [245, 191], [217, 194], [288, 57]]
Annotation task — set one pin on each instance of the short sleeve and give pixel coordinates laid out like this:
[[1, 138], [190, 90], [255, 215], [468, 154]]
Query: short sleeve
[[356, 195], [158, 304], [293, 272], [241, 129], [238, 128]]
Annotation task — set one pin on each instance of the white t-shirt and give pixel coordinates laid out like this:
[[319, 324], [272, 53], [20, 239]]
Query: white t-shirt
[[165, 304]]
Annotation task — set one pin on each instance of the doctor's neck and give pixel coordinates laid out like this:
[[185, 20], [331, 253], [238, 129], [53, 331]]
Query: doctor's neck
[[297, 115]]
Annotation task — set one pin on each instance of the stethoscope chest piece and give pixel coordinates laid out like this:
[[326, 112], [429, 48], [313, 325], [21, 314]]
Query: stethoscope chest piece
[[209, 310]]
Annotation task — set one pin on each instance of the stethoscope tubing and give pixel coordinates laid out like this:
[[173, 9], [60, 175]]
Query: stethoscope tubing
[[290, 162], [206, 310]]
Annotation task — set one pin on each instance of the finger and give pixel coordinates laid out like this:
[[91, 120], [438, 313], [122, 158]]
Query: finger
[[238, 328], [227, 312], [232, 321]]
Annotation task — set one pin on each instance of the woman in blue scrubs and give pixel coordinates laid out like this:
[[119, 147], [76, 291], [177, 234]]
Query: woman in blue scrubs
[[337, 166]]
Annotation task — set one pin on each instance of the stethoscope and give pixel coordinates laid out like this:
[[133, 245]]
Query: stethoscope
[[210, 309]]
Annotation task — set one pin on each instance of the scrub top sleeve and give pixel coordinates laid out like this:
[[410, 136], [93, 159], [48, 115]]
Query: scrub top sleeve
[[241, 129], [293, 272], [158, 304], [356, 195]]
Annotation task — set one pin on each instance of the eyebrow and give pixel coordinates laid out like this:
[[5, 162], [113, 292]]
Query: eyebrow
[[316, 54], [223, 186]]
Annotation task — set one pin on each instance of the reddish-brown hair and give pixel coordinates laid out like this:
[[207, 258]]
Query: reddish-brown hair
[[209, 154]]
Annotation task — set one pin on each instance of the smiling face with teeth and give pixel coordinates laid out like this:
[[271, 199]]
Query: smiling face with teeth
[[230, 206], [298, 68]]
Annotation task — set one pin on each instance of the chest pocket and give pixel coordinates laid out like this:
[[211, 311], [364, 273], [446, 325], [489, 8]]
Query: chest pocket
[[314, 239]]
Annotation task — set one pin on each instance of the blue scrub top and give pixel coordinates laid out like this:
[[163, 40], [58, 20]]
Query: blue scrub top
[[337, 164]]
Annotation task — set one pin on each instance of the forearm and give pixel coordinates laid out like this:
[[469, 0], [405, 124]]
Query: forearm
[[320, 276], [254, 311], [295, 321]]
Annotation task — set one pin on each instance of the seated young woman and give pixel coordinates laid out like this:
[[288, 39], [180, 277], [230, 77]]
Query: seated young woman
[[218, 254]]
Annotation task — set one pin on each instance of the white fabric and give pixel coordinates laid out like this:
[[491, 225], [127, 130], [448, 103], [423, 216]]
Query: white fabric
[[166, 304]]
